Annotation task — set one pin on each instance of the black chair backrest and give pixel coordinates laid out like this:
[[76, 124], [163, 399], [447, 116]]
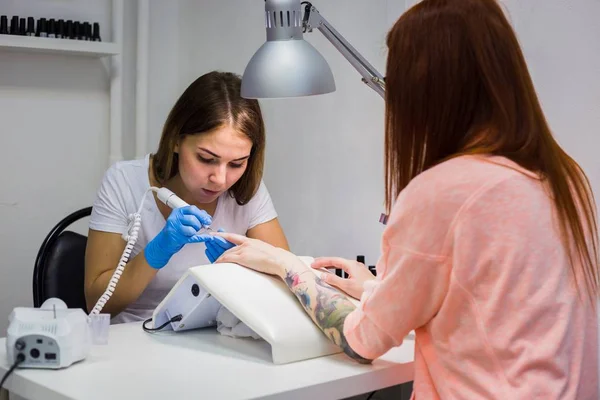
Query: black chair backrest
[[60, 264]]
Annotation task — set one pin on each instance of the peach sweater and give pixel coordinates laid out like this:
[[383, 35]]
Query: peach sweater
[[473, 261]]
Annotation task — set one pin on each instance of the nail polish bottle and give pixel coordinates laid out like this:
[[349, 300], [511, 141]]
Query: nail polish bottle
[[87, 31], [96, 33], [22, 27], [42, 28], [77, 30], [60, 29], [3, 25], [52, 28], [373, 269], [69, 34], [30, 26], [383, 218], [14, 25]]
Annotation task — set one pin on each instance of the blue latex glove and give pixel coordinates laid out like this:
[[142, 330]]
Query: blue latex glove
[[216, 247], [181, 228]]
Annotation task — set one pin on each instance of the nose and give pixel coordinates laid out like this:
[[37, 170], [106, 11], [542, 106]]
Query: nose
[[219, 175]]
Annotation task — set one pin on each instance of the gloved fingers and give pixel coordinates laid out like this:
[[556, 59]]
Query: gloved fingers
[[239, 239], [202, 215], [224, 244], [200, 238], [211, 243], [208, 256], [191, 221], [215, 250], [186, 231], [210, 253]]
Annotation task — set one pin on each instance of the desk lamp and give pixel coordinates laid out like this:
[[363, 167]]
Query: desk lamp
[[288, 66]]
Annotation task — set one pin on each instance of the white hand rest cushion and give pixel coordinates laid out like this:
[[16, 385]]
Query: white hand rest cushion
[[264, 303]]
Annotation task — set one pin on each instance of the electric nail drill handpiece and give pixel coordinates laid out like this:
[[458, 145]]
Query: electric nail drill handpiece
[[170, 198]]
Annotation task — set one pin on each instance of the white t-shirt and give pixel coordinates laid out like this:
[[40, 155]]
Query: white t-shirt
[[124, 186]]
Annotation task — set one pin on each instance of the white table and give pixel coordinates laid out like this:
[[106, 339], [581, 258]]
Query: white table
[[202, 364]]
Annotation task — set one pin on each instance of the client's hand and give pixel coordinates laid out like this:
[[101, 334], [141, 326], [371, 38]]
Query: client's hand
[[358, 274], [257, 255]]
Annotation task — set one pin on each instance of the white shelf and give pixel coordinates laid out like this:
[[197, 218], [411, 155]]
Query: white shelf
[[57, 46]]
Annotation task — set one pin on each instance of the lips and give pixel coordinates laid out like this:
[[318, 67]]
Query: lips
[[210, 192]]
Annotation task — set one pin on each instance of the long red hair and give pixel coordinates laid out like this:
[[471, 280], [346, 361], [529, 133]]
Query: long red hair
[[457, 83]]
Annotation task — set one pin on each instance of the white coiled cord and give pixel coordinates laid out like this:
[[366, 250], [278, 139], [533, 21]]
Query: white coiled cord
[[131, 237]]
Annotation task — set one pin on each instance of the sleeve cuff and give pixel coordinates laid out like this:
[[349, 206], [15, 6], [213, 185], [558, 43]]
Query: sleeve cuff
[[107, 227], [359, 330], [269, 217]]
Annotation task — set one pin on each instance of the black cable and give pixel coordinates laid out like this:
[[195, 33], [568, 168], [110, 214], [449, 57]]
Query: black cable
[[150, 330], [20, 359], [307, 8], [371, 395]]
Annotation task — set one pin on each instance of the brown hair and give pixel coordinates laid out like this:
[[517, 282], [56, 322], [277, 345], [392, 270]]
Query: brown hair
[[457, 83], [211, 101]]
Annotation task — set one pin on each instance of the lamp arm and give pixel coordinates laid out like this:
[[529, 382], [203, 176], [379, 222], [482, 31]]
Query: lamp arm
[[370, 76]]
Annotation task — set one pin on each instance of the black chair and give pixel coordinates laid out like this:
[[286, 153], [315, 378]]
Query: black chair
[[59, 266]]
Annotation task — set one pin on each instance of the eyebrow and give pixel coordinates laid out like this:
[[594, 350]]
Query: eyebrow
[[218, 156]]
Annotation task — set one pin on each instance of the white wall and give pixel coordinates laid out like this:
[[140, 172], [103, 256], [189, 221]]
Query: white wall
[[561, 43], [163, 72], [54, 142]]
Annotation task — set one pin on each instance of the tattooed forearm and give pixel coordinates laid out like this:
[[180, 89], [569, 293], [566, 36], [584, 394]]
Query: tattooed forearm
[[326, 306]]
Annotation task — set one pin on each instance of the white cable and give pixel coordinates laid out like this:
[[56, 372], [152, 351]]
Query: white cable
[[131, 237]]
